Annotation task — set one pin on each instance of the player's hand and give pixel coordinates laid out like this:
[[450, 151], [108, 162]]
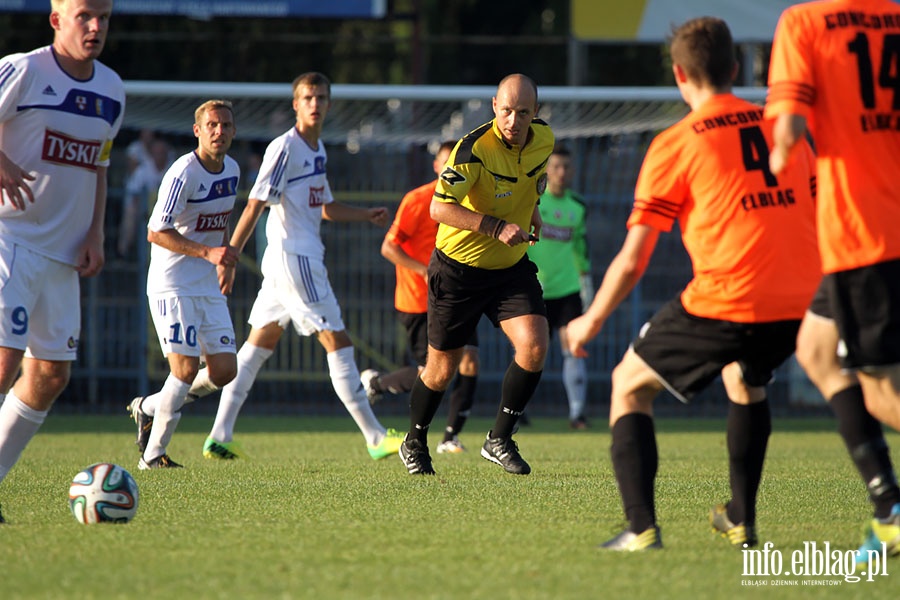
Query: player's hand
[[226, 278], [512, 234], [379, 216], [14, 186], [90, 258], [778, 160], [580, 331], [225, 256]]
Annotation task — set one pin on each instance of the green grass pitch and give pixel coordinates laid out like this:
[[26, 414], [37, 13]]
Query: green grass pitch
[[310, 515]]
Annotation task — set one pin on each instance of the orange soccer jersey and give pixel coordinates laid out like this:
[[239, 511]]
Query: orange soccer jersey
[[838, 64], [750, 235], [414, 231]]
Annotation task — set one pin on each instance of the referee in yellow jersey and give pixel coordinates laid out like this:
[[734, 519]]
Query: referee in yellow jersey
[[486, 204]]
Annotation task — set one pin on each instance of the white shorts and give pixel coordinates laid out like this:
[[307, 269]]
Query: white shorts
[[192, 325], [296, 289], [40, 304]]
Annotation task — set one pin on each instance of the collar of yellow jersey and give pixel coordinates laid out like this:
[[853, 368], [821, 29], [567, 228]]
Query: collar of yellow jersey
[[503, 141]]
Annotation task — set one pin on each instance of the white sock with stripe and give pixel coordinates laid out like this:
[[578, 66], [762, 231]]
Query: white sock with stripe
[[167, 402], [345, 379], [250, 360]]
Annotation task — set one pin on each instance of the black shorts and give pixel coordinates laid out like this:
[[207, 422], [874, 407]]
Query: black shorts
[[819, 305], [562, 310], [416, 325], [865, 303], [688, 352], [459, 294]]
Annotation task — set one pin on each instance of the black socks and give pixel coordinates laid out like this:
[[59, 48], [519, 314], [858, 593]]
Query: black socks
[[635, 460], [748, 429]]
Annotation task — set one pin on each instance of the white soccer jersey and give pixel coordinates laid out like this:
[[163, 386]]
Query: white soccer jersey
[[293, 181], [197, 204], [60, 130]]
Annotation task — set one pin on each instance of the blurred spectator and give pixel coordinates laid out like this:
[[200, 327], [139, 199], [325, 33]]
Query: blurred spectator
[[140, 190], [138, 151]]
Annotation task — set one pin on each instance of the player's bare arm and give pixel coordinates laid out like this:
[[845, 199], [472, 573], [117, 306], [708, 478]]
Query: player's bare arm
[[91, 257], [14, 186], [396, 255], [173, 241], [225, 274], [247, 223], [461, 217], [625, 270], [788, 130], [344, 213]]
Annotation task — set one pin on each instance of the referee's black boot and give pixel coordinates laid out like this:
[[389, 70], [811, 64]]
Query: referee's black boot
[[505, 452]]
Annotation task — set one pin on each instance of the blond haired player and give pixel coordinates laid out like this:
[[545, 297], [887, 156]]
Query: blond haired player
[[60, 109], [295, 289], [189, 233]]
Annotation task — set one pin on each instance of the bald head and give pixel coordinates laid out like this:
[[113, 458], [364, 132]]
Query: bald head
[[515, 105], [519, 83]]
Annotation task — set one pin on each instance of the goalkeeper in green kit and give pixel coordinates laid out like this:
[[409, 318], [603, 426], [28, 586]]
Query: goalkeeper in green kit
[[564, 268]]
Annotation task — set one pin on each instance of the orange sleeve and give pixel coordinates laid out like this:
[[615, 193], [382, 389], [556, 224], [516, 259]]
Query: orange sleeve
[[792, 85], [408, 214], [661, 188]]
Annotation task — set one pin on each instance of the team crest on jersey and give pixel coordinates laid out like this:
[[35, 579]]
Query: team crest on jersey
[[62, 149], [541, 184], [224, 188], [451, 177], [316, 196], [216, 222], [320, 164], [98, 106], [81, 102]]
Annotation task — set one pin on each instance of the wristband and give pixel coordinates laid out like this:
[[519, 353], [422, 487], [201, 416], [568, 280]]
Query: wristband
[[491, 226]]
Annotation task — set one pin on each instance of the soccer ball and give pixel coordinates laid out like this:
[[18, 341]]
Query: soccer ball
[[103, 493]]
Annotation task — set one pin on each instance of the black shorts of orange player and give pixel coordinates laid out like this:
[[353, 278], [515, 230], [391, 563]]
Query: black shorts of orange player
[[688, 352], [865, 303], [416, 326]]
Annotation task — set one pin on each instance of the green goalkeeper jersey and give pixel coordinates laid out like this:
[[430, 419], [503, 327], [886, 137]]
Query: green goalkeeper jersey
[[561, 255]]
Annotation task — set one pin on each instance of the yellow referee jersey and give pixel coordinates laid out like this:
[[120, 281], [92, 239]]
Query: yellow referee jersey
[[486, 174]]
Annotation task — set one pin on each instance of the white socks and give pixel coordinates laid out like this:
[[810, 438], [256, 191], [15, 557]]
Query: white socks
[[574, 374], [345, 379], [164, 407], [250, 360], [18, 424]]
